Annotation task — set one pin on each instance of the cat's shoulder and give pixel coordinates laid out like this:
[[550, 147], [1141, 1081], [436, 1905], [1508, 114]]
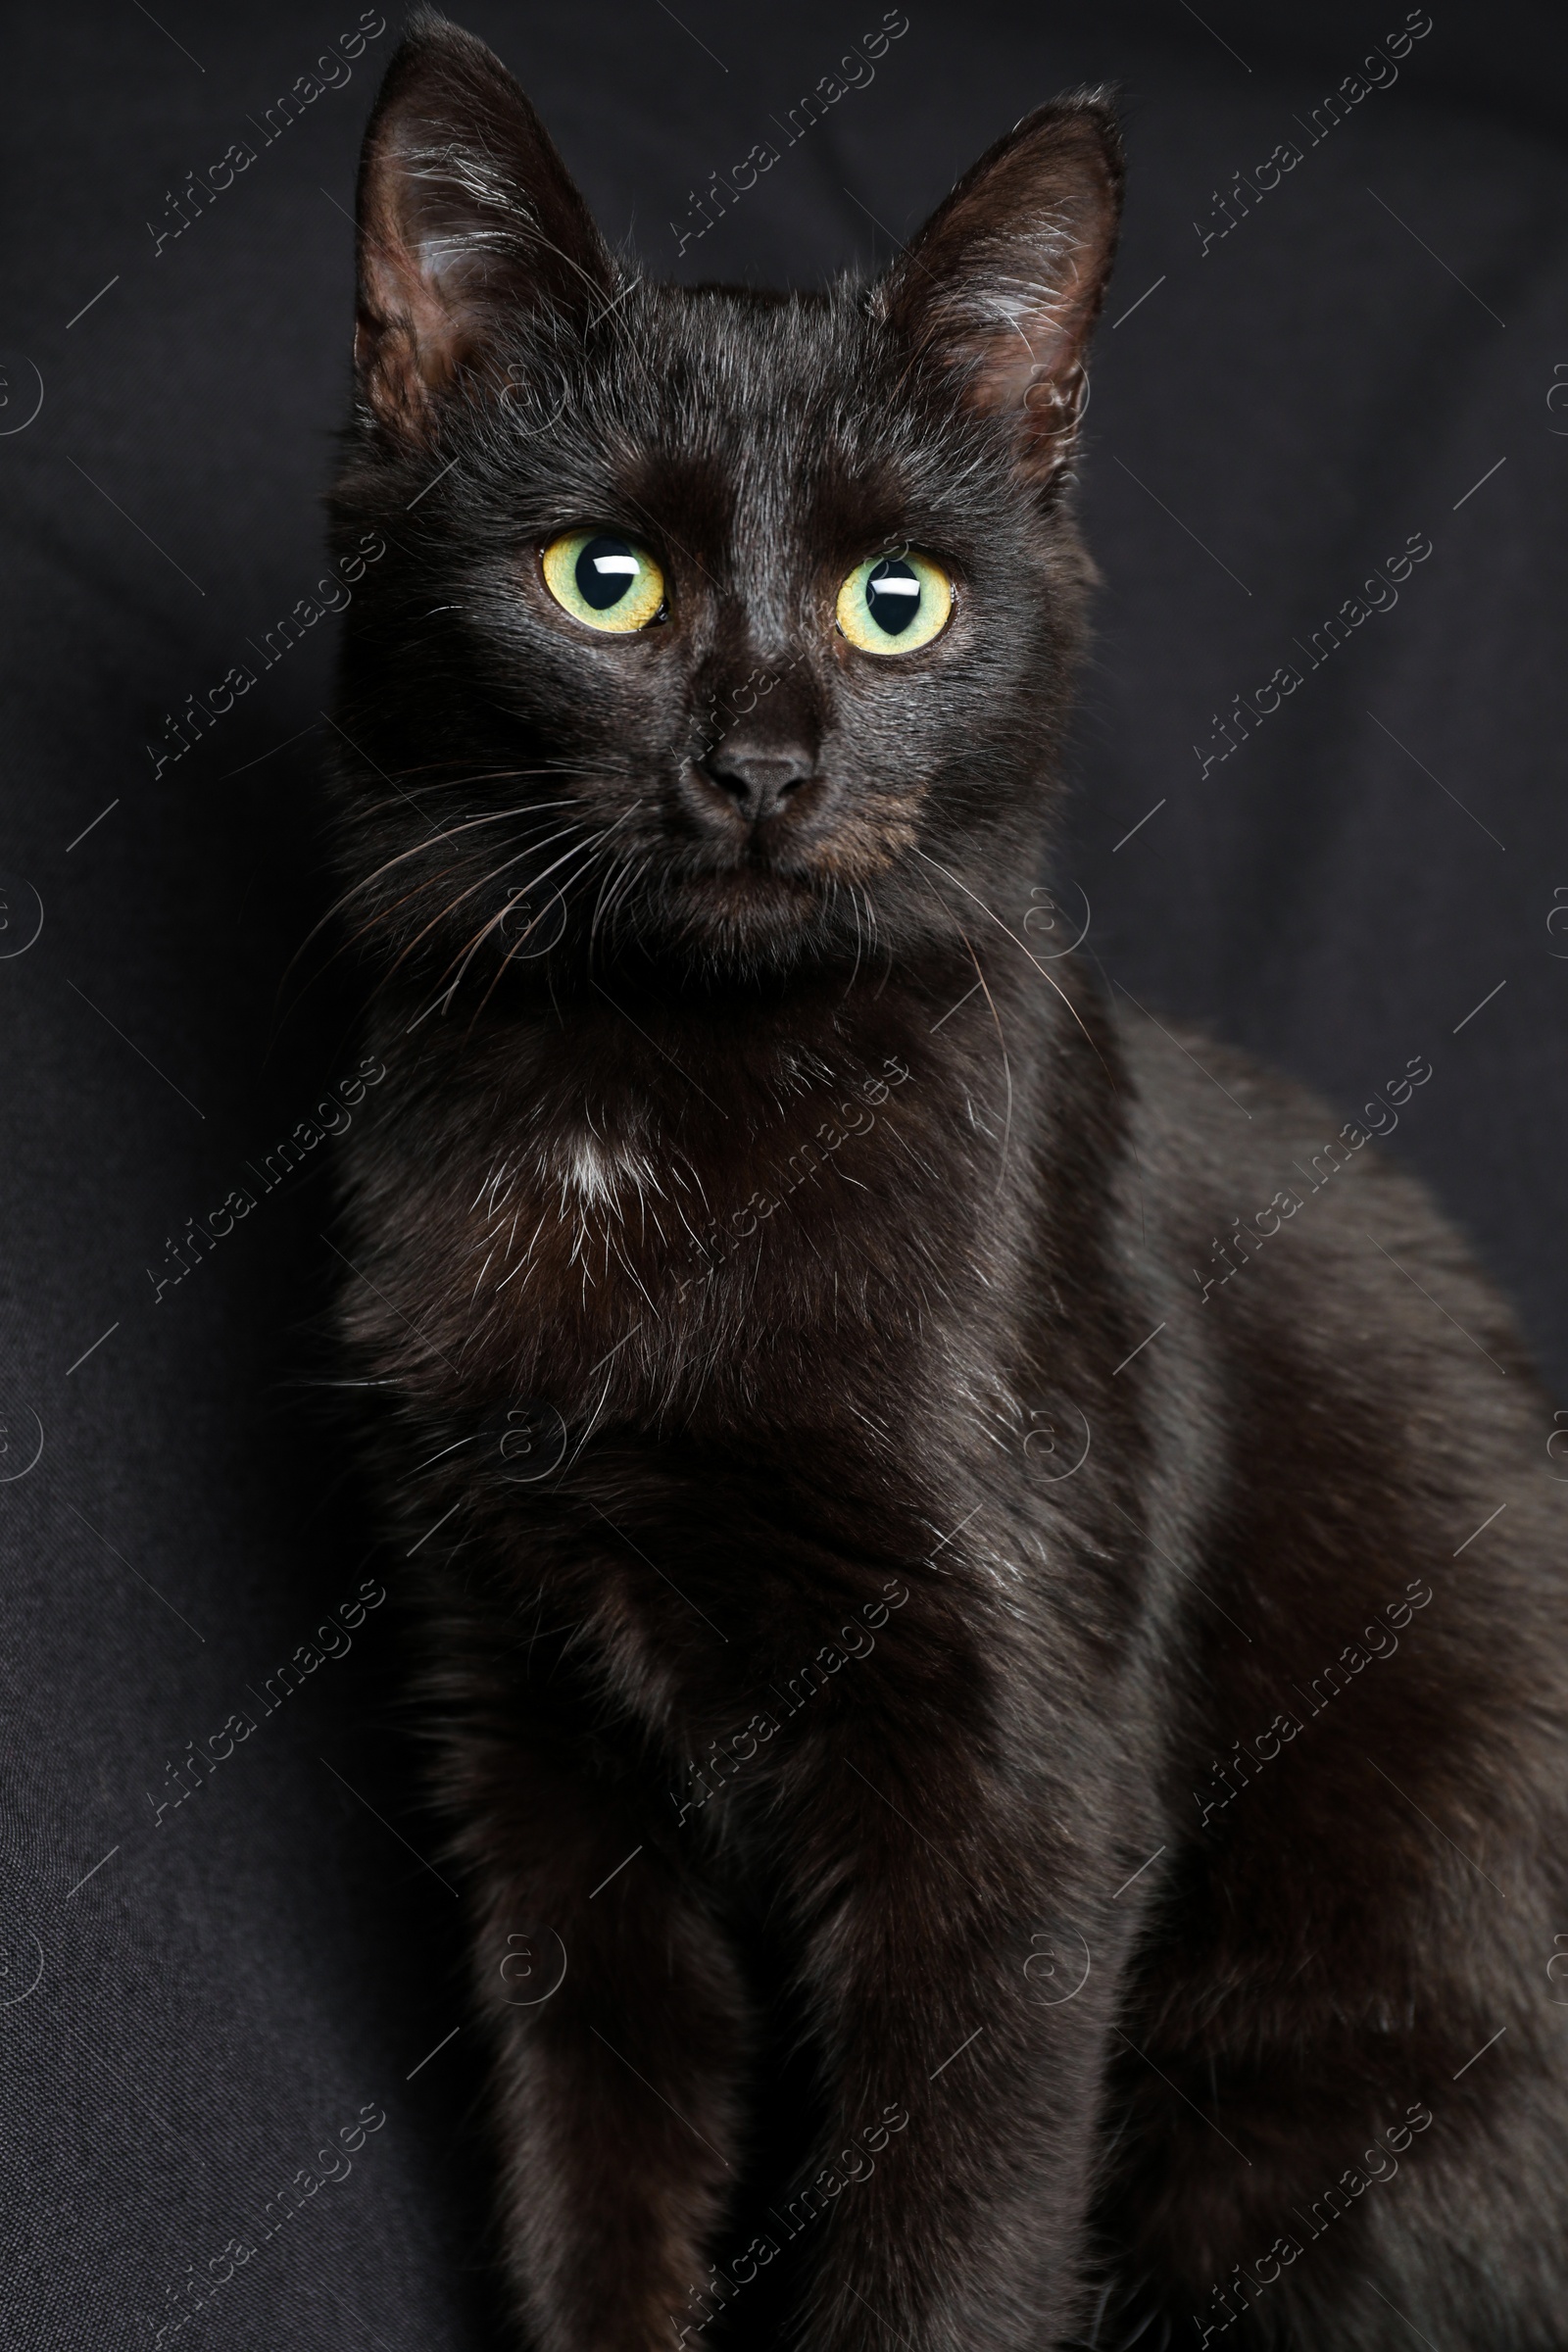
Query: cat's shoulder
[[1229, 1139]]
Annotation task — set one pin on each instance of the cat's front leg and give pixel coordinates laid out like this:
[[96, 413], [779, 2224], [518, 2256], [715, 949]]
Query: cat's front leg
[[621, 2033], [965, 1964]]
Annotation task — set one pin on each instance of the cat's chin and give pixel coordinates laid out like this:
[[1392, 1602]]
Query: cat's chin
[[750, 916]]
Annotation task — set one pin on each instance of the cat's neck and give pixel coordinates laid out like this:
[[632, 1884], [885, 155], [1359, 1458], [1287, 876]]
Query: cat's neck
[[656, 1192], [714, 1074]]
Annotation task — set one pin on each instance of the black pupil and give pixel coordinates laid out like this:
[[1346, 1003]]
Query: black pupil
[[605, 569], [892, 595]]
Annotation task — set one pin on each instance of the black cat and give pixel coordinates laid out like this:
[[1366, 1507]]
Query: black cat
[[1002, 1702]]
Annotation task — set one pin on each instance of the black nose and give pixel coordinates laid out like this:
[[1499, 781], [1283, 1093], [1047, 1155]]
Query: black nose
[[760, 781]]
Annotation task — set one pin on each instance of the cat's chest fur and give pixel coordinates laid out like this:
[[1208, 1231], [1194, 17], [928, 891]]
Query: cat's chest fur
[[694, 1355], [574, 1216]]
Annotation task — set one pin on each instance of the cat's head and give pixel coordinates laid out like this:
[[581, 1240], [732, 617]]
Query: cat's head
[[730, 630]]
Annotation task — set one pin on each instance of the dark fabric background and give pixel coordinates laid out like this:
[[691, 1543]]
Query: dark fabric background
[[180, 2029]]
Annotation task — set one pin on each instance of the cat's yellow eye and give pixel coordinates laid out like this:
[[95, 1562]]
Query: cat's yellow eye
[[893, 604], [603, 580]]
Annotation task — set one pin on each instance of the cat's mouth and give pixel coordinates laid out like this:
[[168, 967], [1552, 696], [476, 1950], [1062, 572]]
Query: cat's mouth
[[785, 867], [773, 912], [752, 904]]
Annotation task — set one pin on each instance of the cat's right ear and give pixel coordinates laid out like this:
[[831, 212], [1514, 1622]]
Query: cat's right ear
[[1002, 285], [467, 216]]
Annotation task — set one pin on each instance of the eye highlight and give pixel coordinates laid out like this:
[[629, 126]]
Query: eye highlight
[[893, 604], [607, 582]]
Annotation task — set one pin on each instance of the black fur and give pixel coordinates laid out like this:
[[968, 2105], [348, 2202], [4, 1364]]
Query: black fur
[[1037, 1790]]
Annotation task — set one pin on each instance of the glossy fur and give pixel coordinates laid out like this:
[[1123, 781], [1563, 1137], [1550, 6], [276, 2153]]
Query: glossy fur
[[835, 1608]]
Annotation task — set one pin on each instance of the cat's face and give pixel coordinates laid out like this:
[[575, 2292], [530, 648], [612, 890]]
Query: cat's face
[[733, 625]]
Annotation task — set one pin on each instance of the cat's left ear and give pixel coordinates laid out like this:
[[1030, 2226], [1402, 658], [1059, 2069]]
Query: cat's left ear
[[467, 216], [1004, 282]]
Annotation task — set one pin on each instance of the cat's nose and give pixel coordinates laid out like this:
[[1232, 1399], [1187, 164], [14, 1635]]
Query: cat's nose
[[761, 781]]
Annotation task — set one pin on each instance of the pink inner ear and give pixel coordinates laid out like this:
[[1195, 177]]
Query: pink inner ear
[[466, 212], [1005, 280], [1027, 337], [403, 299]]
